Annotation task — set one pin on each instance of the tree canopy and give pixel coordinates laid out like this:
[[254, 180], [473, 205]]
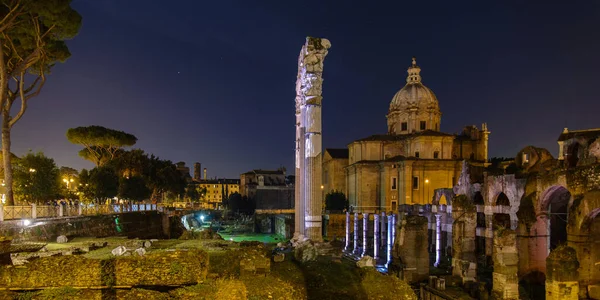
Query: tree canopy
[[336, 201], [37, 178], [101, 144], [32, 41]]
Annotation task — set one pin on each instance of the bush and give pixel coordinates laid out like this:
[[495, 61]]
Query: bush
[[336, 201]]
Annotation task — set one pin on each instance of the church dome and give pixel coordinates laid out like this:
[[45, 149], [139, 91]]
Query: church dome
[[415, 107]]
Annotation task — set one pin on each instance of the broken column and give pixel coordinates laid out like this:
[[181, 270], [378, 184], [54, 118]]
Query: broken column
[[464, 260], [410, 259], [562, 276], [308, 138], [505, 284]]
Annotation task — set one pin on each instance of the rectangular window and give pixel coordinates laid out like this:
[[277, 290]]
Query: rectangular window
[[436, 154], [394, 183], [423, 125], [417, 154], [394, 206], [404, 126], [415, 182], [453, 181]]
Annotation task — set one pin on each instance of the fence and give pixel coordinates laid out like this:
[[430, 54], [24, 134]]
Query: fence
[[49, 211]]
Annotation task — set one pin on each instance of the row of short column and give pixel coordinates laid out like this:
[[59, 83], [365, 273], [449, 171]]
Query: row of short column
[[383, 232]]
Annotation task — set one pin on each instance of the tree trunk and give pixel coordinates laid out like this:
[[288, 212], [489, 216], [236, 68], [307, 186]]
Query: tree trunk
[[8, 176]]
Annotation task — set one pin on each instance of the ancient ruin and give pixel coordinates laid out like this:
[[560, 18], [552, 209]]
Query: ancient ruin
[[309, 86]]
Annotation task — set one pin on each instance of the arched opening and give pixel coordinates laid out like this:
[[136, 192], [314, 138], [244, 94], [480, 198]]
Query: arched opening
[[573, 155], [534, 285], [443, 200], [555, 203], [501, 219], [502, 199], [478, 198]]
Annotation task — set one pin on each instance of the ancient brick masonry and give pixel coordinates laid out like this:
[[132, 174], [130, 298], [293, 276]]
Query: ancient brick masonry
[[506, 265], [308, 197], [464, 261], [562, 277], [410, 255]]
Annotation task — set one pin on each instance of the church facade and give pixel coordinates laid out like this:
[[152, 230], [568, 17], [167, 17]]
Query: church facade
[[414, 158]]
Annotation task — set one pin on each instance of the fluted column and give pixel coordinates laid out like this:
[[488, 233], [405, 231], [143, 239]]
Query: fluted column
[[355, 250], [347, 246], [308, 99], [375, 236], [365, 234]]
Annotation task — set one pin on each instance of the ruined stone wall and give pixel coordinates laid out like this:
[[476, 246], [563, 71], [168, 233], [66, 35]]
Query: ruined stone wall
[[410, 254], [506, 260], [133, 224], [583, 179], [464, 262], [178, 267]]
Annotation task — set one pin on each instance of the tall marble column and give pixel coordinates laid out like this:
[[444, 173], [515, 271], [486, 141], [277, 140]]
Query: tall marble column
[[308, 138], [355, 250], [365, 234], [375, 236], [347, 246]]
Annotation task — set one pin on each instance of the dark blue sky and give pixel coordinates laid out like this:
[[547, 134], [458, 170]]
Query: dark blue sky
[[213, 81]]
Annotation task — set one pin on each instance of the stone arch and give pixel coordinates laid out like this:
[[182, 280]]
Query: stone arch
[[447, 194], [443, 200], [554, 203], [584, 225], [534, 284], [502, 199], [501, 219]]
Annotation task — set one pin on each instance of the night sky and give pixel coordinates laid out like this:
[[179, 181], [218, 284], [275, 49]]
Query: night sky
[[214, 81]]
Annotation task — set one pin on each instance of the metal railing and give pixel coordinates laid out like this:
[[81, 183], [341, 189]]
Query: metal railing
[[34, 211]]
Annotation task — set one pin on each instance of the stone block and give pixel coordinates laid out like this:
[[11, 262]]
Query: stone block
[[366, 262], [62, 239], [278, 257], [594, 291], [119, 251], [140, 251]]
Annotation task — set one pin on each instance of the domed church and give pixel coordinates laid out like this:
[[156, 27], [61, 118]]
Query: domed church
[[414, 158]]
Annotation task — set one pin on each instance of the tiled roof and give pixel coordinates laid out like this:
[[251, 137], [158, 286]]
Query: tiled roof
[[337, 153], [265, 172], [399, 137]]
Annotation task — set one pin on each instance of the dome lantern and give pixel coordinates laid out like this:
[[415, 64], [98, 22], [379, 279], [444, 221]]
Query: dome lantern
[[415, 107]]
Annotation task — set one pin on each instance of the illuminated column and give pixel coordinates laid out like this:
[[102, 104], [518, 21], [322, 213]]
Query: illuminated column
[[383, 231], [365, 234], [393, 228], [308, 138], [389, 238], [438, 239], [347, 231], [355, 250], [375, 236]]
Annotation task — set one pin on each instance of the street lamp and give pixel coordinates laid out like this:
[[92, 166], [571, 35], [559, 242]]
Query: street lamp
[[67, 181]]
